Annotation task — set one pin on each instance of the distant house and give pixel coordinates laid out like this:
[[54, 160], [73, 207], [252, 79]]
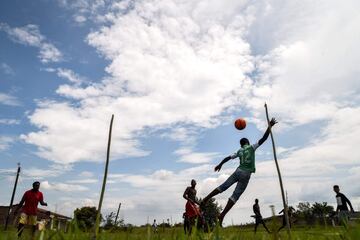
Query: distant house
[[53, 220]]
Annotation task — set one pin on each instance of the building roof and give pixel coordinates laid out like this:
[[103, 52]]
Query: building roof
[[43, 212]]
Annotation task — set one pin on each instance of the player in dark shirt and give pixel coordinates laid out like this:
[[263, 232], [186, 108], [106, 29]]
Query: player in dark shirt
[[342, 201], [258, 217]]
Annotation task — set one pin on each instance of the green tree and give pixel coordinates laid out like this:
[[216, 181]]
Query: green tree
[[304, 211], [109, 221], [210, 212], [85, 217], [321, 211]]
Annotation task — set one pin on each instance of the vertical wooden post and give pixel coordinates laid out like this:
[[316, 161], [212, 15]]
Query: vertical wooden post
[[97, 223], [12, 197], [279, 175], [117, 214]]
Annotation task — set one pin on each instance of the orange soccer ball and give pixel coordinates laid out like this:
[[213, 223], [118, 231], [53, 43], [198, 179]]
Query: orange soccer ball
[[240, 123]]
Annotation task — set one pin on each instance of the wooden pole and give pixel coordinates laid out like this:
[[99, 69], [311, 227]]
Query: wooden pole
[[97, 223], [12, 197], [117, 214], [279, 175]]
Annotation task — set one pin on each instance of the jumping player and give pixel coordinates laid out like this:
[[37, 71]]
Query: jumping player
[[28, 216], [191, 209], [241, 176], [258, 217]]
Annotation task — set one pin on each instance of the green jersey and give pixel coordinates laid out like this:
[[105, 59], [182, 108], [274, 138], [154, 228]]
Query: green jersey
[[246, 156]]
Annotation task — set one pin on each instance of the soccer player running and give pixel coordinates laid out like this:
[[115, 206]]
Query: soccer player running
[[241, 176], [191, 209], [28, 215], [342, 209], [258, 217]]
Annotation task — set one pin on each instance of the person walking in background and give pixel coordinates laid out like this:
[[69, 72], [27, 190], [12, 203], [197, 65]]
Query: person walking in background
[[258, 217], [342, 209], [155, 226], [28, 215]]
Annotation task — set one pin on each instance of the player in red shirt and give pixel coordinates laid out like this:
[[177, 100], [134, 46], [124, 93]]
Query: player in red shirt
[[28, 215]]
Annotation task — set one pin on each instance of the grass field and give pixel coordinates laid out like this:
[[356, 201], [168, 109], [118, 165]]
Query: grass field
[[230, 233]]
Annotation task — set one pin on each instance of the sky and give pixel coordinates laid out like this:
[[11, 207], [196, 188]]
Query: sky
[[176, 74]]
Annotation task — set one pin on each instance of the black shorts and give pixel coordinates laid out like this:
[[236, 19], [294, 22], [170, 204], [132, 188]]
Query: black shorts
[[259, 220]]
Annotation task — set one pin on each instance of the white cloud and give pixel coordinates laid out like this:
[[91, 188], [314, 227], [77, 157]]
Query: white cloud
[[5, 142], [7, 121], [82, 181], [300, 74], [187, 155], [49, 53], [79, 18], [39, 173], [70, 75], [63, 187], [194, 72], [7, 69], [30, 35], [86, 174], [9, 100], [84, 10], [61, 119]]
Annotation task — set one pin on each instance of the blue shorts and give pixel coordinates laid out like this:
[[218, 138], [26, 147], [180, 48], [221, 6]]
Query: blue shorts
[[240, 177]]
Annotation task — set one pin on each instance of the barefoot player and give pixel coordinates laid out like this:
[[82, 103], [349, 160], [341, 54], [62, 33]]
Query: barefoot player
[[28, 215], [191, 209], [258, 217], [241, 176]]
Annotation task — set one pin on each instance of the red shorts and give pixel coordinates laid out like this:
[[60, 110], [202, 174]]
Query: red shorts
[[192, 210]]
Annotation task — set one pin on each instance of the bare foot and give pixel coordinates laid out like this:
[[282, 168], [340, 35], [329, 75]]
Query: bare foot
[[221, 219]]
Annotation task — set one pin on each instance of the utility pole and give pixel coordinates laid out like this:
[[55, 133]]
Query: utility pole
[[117, 214], [12, 197], [279, 175]]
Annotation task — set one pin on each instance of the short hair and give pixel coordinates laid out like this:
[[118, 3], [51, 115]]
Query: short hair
[[36, 183], [244, 141], [336, 186], [256, 200]]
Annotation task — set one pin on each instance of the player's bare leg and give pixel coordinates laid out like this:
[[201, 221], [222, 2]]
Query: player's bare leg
[[227, 208], [210, 195]]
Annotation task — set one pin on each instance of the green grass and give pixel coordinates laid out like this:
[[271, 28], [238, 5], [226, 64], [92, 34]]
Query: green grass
[[230, 233]]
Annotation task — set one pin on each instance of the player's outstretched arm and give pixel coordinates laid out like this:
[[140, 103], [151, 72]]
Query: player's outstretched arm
[[218, 167], [267, 132]]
